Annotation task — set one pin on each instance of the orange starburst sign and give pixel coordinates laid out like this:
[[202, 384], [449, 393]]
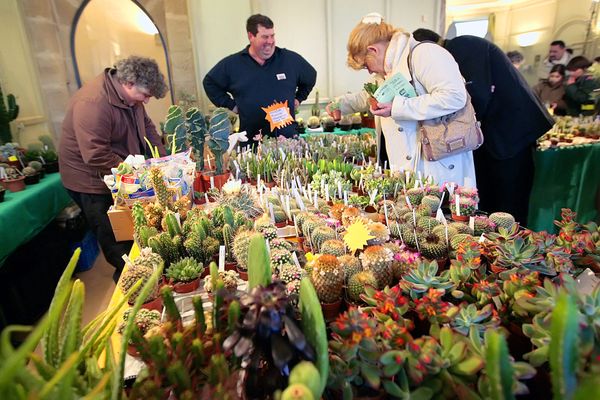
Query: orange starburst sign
[[278, 115]]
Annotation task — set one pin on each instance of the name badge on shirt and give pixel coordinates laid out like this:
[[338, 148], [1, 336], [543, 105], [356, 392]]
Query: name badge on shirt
[[281, 77]]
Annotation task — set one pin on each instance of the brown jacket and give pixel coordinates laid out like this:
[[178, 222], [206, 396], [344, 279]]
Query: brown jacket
[[99, 131], [551, 94]]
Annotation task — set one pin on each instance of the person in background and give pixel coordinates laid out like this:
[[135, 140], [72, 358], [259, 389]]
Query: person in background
[[516, 58], [580, 85], [382, 49], [557, 54], [511, 116], [258, 76], [551, 91], [105, 122]]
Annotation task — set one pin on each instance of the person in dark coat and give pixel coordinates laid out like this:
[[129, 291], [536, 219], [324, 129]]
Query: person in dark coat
[[511, 116], [580, 86]]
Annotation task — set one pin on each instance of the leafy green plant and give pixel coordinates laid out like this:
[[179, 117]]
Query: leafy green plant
[[185, 270]]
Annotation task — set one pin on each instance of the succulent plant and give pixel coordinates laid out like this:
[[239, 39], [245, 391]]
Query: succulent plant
[[380, 232], [463, 318], [244, 201], [267, 339], [378, 259], [427, 223], [334, 247], [357, 282], [433, 247], [185, 270], [320, 235], [456, 240], [29, 171], [502, 219], [154, 214], [147, 258], [420, 279], [289, 273], [350, 265], [241, 245], [431, 201], [144, 320], [230, 279], [131, 275], [460, 227], [404, 259], [349, 215], [519, 253], [415, 195], [280, 244], [327, 278], [280, 257], [483, 225], [163, 195]]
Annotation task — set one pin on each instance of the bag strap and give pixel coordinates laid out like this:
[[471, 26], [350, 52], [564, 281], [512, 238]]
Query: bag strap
[[410, 68]]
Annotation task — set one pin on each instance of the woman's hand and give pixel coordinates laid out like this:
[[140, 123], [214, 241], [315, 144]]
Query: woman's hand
[[384, 110]]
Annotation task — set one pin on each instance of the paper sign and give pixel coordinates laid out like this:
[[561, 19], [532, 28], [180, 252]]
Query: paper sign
[[339, 185], [397, 85], [221, 258], [372, 196], [278, 115], [442, 200]]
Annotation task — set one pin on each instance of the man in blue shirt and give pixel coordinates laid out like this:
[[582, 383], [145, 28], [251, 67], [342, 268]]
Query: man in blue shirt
[[259, 76]]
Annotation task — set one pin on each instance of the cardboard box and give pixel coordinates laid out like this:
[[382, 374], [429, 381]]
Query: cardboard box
[[121, 222]]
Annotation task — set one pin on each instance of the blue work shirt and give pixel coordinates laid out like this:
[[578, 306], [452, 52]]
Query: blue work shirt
[[239, 80]]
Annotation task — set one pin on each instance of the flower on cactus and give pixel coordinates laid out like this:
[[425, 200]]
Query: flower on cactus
[[232, 187]]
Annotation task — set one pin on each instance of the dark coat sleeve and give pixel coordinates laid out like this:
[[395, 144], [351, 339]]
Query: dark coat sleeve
[[307, 77], [216, 85], [581, 90]]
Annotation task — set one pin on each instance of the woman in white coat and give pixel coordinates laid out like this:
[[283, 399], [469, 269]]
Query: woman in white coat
[[383, 50]]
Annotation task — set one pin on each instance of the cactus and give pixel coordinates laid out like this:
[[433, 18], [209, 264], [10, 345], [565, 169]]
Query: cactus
[[142, 235], [564, 347], [289, 273], [320, 235], [175, 129], [415, 195], [460, 227], [35, 165], [29, 171], [378, 260], [328, 278], [280, 257], [9, 111], [196, 133], [241, 244], [502, 220], [498, 367], [170, 224], [166, 247], [280, 244], [161, 191], [259, 267], [185, 270], [456, 240], [148, 259], [228, 242], [154, 214], [431, 201], [427, 223], [131, 275], [357, 283], [350, 265], [380, 232], [199, 244], [483, 225], [433, 247], [218, 133], [334, 247]]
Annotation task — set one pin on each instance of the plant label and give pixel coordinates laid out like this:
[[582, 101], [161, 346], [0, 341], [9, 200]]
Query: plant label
[[221, 258]]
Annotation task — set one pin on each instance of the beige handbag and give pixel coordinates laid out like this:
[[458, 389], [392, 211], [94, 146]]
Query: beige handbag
[[450, 134]]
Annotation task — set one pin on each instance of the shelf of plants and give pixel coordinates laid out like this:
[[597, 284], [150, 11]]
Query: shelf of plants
[[391, 286]]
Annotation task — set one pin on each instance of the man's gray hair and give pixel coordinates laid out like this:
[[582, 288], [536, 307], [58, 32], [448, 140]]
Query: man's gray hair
[[143, 72]]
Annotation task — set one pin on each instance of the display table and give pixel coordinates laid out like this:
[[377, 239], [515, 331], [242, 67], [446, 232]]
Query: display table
[[567, 177], [24, 214], [338, 131]]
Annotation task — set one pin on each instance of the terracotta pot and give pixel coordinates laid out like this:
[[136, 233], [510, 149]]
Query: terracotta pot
[[337, 115], [156, 304], [219, 180], [230, 266], [198, 186], [32, 179], [331, 310], [281, 224], [368, 122], [373, 103], [243, 273], [270, 184], [205, 272], [14, 185], [186, 287], [131, 350], [460, 218], [370, 209]]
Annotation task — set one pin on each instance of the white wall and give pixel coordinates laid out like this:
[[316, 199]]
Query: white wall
[[316, 29], [18, 76]]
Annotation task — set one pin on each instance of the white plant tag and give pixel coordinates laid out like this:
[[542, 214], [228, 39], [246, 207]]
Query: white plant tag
[[346, 198], [296, 227], [439, 215], [441, 200], [339, 185], [387, 222], [327, 191], [212, 182], [457, 204], [206, 198], [472, 223], [221, 258], [295, 258], [372, 196], [385, 165], [272, 213]]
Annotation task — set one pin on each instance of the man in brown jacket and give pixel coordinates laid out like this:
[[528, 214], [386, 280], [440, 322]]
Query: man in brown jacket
[[105, 122]]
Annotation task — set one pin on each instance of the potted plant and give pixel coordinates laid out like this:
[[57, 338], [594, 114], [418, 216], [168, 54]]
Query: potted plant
[[51, 160], [14, 180], [466, 208], [356, 121], [328, 280], [371, 88], [241, 246], [346, 123], [131, 275], [334, 109], [218, 143], [31, 176], [144, 320], [8, 112], [184, 275], [328, 123], [38, 166]]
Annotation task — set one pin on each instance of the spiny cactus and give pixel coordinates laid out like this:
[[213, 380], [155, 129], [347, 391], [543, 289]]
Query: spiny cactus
[[334, 247], [131, 275], [218, 134], [154, 214], [502, 219], [328, 278], [350, 265], [199, 244], [321, 234], [415, 195], [170, 249], [163, 195], [378, 260], [380, 232], [290, 273], [433, 247], [483, 225], [431, 201], [357, 283], [241, 244]]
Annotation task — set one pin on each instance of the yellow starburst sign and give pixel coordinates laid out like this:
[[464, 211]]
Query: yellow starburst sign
[[357, 235], [278, 115]]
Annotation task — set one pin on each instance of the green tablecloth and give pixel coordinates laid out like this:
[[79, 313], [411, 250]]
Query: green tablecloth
[[338, 131], [24, 214], [568, 177]]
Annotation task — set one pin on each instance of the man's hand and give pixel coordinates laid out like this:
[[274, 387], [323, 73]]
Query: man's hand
[[328, 110], [384, 110], [296, 104]]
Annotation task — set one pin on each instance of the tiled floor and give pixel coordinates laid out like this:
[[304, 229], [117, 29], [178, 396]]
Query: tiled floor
[[99, 288]]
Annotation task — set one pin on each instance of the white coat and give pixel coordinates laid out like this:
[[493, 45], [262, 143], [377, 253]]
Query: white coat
[[441, 91]]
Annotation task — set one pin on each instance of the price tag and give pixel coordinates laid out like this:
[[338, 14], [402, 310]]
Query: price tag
[[296, 227], [272, 213], [385, 165], [439, 215], [327, 191], [396, 189], [346, 198], [387, 222], [212, 182], [441, 200], [472, 224], [414, 212], [315, 202], [206, 198], [339, 185], [406, 176], [221, 258], [408, 202]]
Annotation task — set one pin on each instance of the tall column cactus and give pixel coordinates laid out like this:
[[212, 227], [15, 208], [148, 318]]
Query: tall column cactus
[[218, 134], [196, 131], [8, 112]]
